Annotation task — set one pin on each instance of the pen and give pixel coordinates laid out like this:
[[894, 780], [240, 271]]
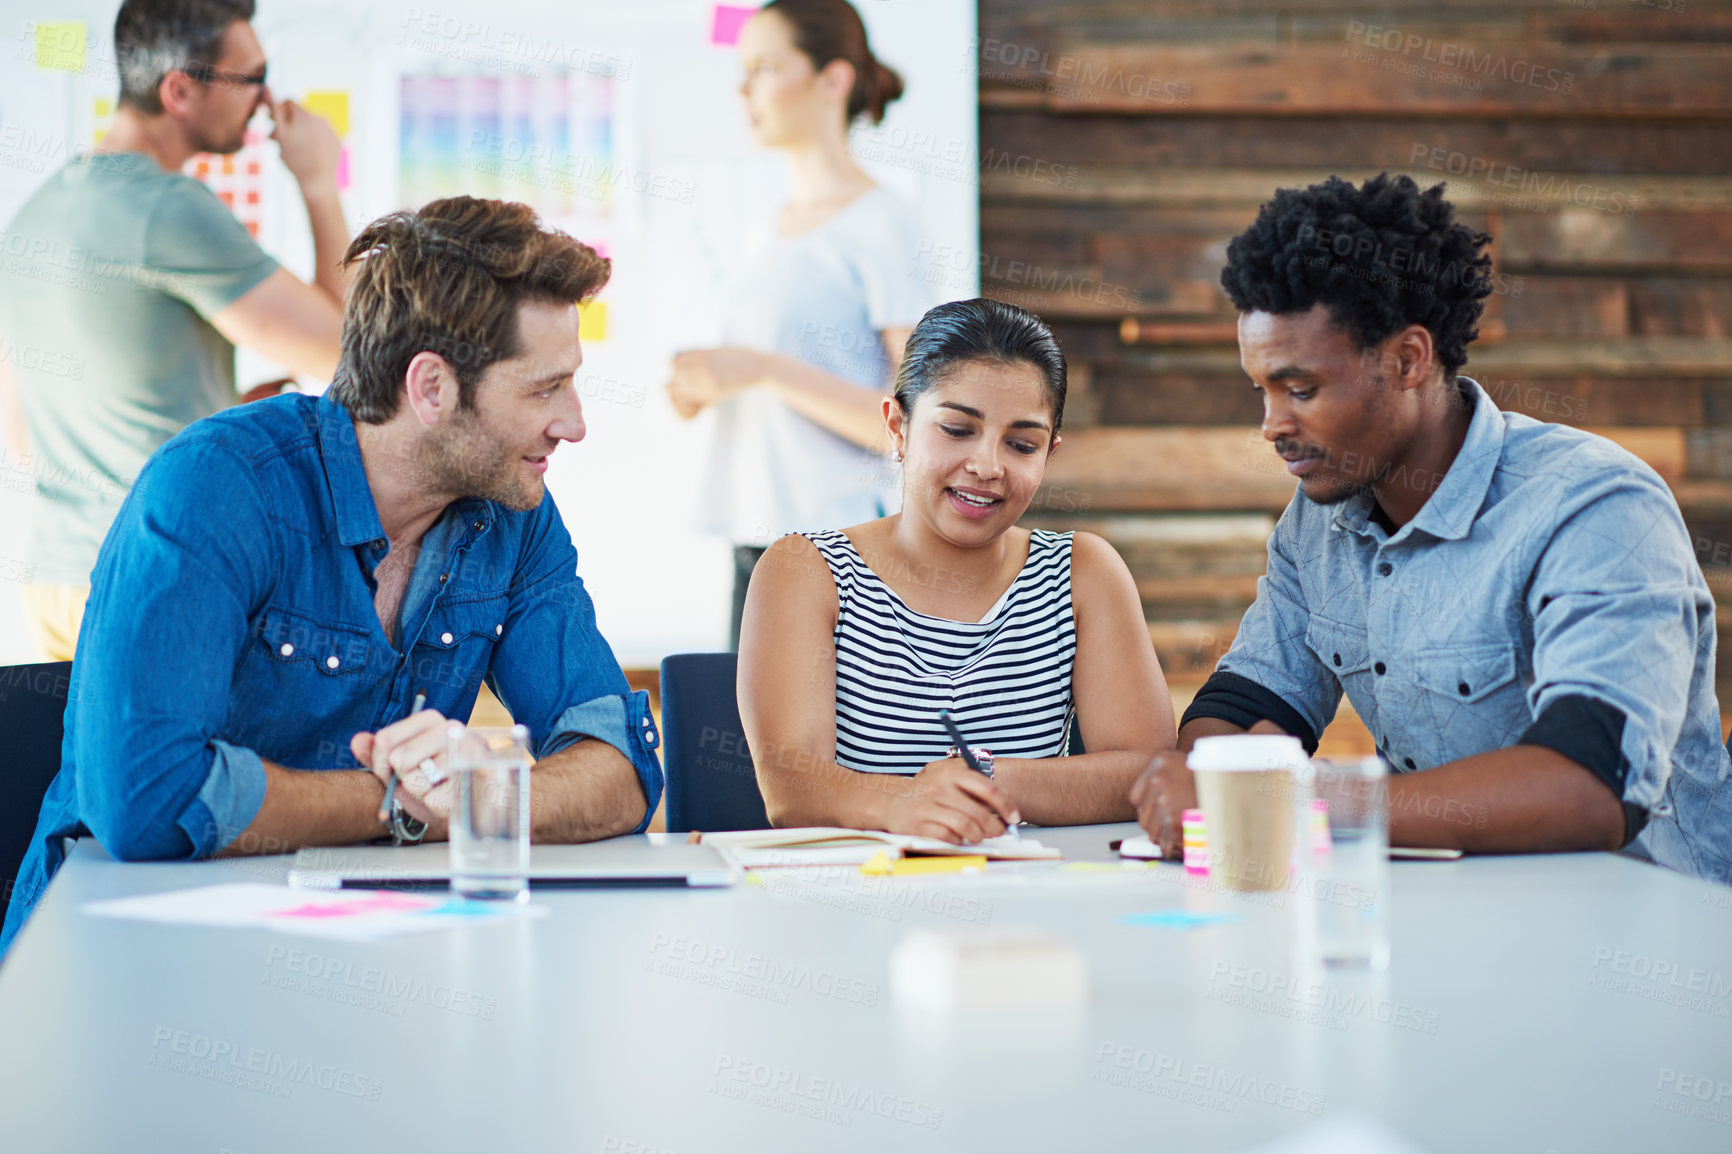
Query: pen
[[391, 782], [968, 759]]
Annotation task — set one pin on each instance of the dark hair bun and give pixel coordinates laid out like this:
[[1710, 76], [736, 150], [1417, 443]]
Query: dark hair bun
[[827, 30], [875, 91]]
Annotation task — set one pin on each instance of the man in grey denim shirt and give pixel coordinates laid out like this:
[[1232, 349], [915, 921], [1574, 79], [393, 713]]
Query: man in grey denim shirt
[[1512, 607]]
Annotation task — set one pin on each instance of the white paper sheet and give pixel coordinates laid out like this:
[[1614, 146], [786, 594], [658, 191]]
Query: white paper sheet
[[350, 915]]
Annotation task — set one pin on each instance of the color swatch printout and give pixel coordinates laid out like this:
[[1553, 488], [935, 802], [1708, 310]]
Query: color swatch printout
[[547, 141], [238, 180]]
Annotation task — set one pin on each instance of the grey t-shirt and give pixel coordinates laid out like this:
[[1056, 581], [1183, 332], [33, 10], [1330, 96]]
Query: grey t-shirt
[[108, 276]]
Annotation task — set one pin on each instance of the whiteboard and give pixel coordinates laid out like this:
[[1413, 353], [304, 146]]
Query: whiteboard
[[684, 182]]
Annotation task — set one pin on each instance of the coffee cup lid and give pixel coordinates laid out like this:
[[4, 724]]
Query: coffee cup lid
[[1247, 753]]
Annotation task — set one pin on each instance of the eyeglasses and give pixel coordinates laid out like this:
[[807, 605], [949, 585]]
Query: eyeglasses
[[205, 74]]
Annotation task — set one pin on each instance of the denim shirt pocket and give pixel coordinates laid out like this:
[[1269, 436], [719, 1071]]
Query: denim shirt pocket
[[299, 669], [456, 646], [296, 643], [1345, 651], [1470, 696]]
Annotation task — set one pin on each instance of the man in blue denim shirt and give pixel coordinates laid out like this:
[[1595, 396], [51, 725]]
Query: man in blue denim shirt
[[285, 578], [1512, 607]]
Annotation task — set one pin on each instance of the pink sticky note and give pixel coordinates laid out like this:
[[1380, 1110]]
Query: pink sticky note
[[381, 903], [725, 25]]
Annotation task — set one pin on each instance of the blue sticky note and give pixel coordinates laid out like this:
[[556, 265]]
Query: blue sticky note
[[461, 908], [1176, 919]]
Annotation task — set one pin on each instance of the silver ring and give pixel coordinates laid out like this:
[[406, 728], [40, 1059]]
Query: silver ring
[[431, 770]]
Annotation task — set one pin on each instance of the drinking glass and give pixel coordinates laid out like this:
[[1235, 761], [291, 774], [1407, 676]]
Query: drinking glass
[[1345, 877], [490, 812]]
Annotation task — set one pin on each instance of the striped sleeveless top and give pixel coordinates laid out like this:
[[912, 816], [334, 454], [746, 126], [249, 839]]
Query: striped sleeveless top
[[1006, 678]]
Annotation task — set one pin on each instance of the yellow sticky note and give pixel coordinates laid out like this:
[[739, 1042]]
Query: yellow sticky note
[[60, 46], [956, 864], [880, 864], [333, 105], [592, 321]]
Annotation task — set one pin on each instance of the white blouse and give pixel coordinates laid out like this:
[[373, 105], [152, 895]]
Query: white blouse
[[822, 297]]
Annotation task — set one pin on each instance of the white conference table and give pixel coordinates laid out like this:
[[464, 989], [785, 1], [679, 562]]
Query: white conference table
[[1522, 1012]]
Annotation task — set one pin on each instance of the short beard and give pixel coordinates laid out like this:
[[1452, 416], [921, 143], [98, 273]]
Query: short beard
[[470, 462], [226, 146], [1346, 493]]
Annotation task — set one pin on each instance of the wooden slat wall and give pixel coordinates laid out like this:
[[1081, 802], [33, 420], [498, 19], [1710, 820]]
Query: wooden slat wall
[[1593, 142]]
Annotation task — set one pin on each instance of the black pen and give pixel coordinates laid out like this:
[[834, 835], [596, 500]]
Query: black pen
[[967, 756], [391, 782]]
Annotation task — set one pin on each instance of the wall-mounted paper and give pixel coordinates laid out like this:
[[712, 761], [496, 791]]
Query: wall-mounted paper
[[592, 321], [333, 105], [60, 46], [238, 179], [546, 140], [726, 23]]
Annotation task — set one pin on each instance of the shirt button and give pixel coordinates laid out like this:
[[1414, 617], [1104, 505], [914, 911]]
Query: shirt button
[[1337, 659], [1408, 762], [287, 650], [445, 637], [498, 630], [1463, 689], [480, 525], [1384, 569], [1379, 669], [331, 662], [444, 577]]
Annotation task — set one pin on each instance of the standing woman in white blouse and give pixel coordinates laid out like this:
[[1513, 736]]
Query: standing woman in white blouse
[[817, 314]]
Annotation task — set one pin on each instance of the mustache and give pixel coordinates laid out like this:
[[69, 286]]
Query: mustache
[[1297, 451]]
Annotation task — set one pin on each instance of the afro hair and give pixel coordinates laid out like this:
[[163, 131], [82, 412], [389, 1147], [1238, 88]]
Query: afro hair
[[1380, 257]]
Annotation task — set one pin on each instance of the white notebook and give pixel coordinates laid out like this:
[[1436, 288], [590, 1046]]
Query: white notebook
[[832, 845]]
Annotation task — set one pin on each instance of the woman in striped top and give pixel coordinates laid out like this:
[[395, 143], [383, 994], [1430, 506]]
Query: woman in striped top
[[854, 640]]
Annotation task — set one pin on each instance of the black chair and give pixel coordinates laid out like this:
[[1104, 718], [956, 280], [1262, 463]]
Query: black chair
[[711, 783], [32, 709]]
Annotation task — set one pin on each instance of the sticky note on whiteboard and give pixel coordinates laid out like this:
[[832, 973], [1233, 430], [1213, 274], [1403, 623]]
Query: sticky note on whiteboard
[[726, 23], [333, 105], [592, 321], [60, 46]]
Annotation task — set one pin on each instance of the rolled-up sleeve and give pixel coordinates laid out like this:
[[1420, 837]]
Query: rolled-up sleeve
[[167, 617], [1619, 609], [1270, 649], [553, 670]]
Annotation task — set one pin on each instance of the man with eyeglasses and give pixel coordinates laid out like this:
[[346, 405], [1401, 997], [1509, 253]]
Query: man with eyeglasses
[[125, 286]]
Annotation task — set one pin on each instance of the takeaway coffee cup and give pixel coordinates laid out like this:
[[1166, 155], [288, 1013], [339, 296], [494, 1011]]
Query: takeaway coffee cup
[[1247, 784]]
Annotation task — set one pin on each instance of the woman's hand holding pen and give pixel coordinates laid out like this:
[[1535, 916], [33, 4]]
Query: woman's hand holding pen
[[410, 748], [951, 802], [704, 376]]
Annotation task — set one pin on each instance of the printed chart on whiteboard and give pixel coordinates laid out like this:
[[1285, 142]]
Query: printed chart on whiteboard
[[549, 141]]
